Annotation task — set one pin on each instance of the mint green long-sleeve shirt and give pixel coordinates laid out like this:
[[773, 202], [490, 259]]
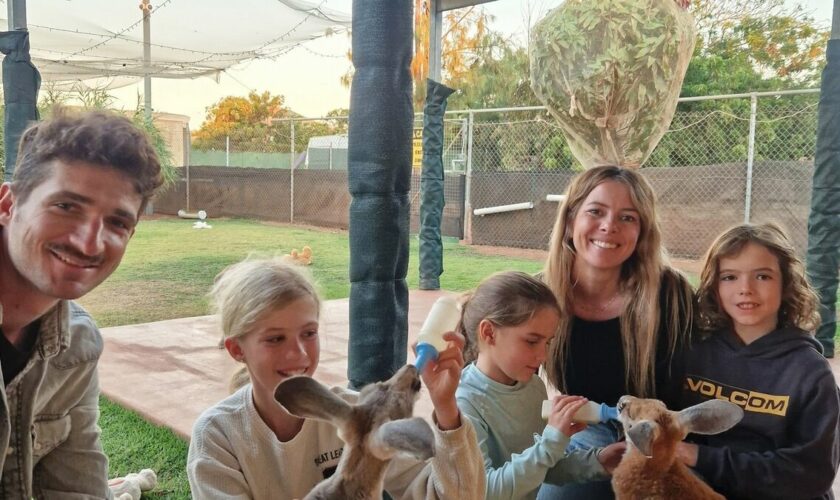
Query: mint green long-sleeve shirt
[[520, 451]]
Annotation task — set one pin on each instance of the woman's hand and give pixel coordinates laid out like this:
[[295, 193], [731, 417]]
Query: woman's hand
[[442, 376], [562, 413], [687, 453], [610, 456]]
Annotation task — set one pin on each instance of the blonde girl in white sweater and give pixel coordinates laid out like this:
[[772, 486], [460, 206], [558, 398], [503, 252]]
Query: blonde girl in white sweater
[[247, 446]]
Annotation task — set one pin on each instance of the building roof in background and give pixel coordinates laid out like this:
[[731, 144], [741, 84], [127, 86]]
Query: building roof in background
[[328, 141]]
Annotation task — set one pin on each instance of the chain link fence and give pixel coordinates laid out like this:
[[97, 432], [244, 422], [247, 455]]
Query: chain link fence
[[295, 171], [725, 160]]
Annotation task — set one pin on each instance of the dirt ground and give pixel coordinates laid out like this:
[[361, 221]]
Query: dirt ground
[[519, 253]]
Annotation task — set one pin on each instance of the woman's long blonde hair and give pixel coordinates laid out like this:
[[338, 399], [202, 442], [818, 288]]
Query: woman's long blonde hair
[[642, 277], [245, 292], [800, 305]]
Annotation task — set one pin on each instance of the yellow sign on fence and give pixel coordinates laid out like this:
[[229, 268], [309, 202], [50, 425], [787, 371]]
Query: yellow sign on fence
[[417, 150]]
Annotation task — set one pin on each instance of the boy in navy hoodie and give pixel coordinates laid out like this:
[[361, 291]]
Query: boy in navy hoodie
[[758, 310]]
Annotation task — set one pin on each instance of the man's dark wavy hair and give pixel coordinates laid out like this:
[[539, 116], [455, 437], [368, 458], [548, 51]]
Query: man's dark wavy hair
[[95, 137]]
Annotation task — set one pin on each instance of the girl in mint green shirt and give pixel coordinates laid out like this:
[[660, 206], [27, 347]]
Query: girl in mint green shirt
[[508, 321]]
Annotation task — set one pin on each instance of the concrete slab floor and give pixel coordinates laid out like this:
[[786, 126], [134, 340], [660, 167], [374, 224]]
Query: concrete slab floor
[[171, 371]]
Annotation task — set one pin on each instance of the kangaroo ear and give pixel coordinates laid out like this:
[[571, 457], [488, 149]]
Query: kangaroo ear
[[641, 435], [305, 397], [710, 417], [407, 435]]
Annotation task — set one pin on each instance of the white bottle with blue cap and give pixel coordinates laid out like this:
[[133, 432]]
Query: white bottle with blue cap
[[443, 318], [590, 413]]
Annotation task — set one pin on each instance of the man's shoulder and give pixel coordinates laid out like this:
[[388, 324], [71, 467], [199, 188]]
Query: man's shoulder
[[84, 344], [79, 315]]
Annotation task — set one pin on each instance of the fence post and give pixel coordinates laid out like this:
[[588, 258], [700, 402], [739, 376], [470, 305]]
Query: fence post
[[187, 149], [468, 181], [227, 150], [292, 173], [750, 157]]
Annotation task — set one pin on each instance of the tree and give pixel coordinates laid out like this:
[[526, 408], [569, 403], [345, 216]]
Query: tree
[[778, 39], [743, 46], [747, 46], [464, 33], [499, 76], [260, 122], [248, 119], [53, 99]]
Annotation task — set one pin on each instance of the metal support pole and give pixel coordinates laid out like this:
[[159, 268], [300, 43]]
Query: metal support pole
[[435, 39], [16, 13], [465, 124], [750, 158], [16, 10], [292, 175], [500, 209], [835, 21], [187, 150], [227, 150], [468, 182], [146, 7]]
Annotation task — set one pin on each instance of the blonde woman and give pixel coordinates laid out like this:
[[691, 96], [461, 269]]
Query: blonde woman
[[625, 313]]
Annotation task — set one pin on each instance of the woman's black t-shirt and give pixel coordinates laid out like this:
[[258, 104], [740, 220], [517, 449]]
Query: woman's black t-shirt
[[595, 366]]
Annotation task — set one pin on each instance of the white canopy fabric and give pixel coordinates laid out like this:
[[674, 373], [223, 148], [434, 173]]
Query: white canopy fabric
[[99, 43]]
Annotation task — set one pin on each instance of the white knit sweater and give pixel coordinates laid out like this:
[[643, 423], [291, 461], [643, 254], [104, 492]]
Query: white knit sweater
[[234, 454]]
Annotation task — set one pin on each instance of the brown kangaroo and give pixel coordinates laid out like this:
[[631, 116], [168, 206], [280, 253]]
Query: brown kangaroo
[[649, 468]]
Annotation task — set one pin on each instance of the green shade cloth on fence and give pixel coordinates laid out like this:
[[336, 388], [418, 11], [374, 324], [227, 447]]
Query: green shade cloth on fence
[[21, 82], [824, 220], [432, 197], [379, 179], [250, 159]]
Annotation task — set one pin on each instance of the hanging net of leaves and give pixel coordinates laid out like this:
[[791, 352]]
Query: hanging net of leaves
[[610, 71]]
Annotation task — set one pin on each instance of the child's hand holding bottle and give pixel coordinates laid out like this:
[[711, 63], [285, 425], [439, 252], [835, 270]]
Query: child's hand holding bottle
[[442, 376], [563, 412]]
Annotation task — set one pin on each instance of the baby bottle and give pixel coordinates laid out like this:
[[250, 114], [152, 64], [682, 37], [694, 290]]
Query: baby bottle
[[590, 413], [443, 318]]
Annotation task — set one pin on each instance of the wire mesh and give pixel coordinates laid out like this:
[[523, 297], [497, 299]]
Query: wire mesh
[[708, 171], [701, 171]]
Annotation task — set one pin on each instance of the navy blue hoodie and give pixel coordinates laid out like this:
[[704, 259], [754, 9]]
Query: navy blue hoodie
[[787, 444]]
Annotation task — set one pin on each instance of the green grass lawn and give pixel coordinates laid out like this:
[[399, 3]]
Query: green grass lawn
[[169, 266], [166, 273], [132, 444]]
